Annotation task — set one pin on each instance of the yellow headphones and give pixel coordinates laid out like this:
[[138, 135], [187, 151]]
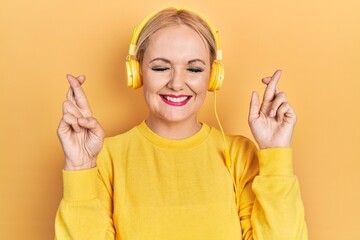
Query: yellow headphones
[[133, 65]]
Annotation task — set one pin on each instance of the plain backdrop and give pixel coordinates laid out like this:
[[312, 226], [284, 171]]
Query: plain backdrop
[[315, 43]]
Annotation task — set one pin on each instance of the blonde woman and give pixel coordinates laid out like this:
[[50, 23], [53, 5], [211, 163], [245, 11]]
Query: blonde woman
[[168, 177]]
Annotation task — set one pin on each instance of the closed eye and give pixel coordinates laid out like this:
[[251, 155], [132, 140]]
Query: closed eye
[[195, 70], [160, 69]]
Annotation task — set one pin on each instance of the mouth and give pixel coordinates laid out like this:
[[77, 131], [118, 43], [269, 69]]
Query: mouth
[[174, 100]]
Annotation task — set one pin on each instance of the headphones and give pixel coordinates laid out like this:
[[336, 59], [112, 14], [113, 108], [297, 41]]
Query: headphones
[[133, 65]]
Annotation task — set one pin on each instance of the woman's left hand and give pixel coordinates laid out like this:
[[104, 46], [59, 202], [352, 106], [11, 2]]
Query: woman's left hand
[[272, 123]]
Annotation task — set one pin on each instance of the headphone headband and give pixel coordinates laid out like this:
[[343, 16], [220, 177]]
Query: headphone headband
[[140, 27]]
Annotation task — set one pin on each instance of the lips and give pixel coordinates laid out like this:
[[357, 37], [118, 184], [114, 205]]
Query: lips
[[174, 100]]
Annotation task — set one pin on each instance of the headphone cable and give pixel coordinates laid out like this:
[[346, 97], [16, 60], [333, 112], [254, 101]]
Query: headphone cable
[[227, 157]]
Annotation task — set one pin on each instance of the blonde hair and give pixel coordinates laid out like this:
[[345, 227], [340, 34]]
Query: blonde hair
[[172, 17]]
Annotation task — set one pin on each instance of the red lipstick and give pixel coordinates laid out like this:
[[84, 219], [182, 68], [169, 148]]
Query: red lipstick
[[176, 100]]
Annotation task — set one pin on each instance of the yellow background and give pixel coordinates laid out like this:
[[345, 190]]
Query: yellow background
[[316, 43]]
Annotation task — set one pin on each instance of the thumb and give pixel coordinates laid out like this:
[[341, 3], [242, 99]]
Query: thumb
[[92, 125], [254, 107]]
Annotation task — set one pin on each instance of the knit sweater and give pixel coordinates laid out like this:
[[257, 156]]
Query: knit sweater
[[148, 187]]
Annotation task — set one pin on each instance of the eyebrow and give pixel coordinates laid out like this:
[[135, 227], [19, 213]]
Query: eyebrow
[[197, 60], [168, 61], [160, 59]]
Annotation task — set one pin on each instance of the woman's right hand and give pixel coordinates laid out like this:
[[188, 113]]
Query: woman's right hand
[[80, 134]]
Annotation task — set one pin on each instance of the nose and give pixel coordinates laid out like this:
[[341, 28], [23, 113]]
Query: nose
[[177, 80]]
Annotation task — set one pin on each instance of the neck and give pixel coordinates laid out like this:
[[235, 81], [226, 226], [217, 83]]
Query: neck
[[173, 130]]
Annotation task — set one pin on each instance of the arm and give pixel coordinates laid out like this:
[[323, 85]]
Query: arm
[[85, 211], [270, 202], [278, 212]]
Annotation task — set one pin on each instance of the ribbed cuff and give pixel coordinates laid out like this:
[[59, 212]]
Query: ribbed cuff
[[275, 161], [80, 185]]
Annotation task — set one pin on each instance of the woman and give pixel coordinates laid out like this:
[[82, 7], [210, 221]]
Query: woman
[[167, 178]]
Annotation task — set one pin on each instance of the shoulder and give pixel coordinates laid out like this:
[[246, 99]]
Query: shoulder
[[114, 147], [235, 142], [240, 142], [119, 139], [242, 150]]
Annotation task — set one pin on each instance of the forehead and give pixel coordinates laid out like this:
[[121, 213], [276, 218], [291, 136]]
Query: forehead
[[177, 43]]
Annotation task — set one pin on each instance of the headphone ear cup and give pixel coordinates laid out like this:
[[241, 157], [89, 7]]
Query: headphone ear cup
[[133, 73], [217, 76]]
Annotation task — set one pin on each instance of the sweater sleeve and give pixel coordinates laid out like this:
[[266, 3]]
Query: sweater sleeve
[[85, 212], [270, 200]]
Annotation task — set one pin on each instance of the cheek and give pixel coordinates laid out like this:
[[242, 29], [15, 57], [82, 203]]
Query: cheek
[[149, 91], [147, 88], [150, 83], [200, 85], [150, 97]]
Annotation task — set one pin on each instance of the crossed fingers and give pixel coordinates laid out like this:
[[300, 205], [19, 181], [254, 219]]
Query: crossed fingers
[[275, 103], [77, 96], [76, 105]]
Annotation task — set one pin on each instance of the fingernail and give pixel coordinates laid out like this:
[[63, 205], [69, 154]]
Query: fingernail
[[272, 113]]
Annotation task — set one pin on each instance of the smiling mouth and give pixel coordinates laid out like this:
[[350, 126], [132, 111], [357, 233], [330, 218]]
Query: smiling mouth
[[173, 100]]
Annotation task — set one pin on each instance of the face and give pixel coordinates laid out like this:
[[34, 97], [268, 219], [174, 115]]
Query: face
[[175, 73]]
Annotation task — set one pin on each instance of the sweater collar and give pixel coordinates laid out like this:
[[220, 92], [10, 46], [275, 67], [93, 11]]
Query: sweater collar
[[171, 144]]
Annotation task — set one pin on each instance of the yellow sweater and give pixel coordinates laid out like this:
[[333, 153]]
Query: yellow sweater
[[146, 187]]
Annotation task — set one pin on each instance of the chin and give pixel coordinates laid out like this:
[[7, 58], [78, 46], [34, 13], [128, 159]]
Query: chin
[[176, 118]]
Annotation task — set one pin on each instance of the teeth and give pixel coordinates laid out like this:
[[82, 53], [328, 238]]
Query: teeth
[[177, 100]]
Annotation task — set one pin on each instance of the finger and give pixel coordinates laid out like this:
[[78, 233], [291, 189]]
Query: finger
[[271, 88], [72, 121], [81, 79], [93, 125], [254, 106], [63, 128], [69, 107], [79, 95], [276, 103], [70, 94], [285, 112], [266, 81]]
